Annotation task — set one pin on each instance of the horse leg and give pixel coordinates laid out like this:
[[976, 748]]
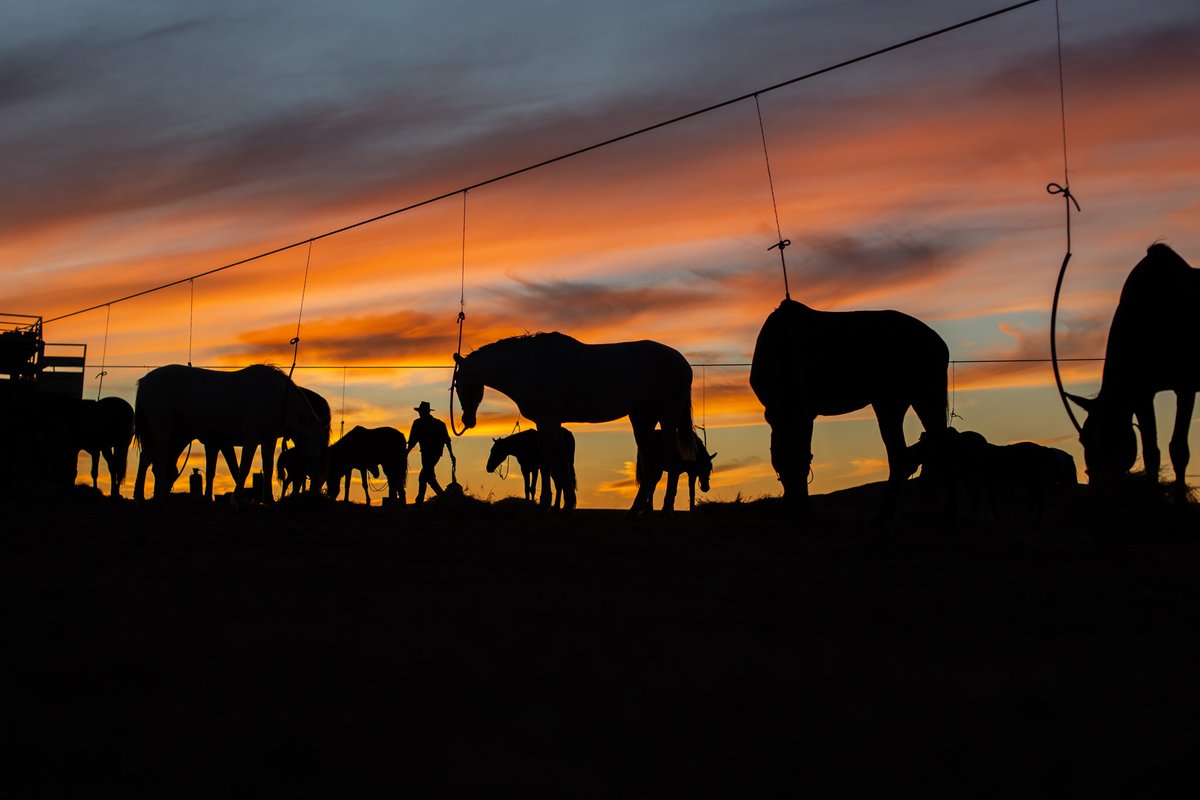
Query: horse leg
[[139, 482], [1178, 448], [691, 492], [549, 438], [791, 456], [891, 427], [1151, 455], [643, 435], [529, 476], [366, 491], [110, 458], [268, 465], [95, 454], [672, 488]]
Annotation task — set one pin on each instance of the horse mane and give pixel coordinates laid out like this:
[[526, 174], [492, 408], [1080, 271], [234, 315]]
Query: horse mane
[[1164, 253], [502, 344]]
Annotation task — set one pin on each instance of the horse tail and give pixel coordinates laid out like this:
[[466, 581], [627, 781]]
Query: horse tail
[[403, 462], [569, 448]]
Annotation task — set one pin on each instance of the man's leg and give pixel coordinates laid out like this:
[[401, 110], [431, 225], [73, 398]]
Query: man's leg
[[429, 473]]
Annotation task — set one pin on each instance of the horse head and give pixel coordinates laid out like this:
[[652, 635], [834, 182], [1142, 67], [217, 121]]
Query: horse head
[[1109, 443], [704, 461], [499, 453], [468, 388]]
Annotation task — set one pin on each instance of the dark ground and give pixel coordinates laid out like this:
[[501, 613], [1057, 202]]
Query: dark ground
[[206, 650]]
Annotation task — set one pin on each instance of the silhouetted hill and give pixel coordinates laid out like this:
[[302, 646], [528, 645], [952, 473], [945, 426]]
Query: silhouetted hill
[[197, 649]]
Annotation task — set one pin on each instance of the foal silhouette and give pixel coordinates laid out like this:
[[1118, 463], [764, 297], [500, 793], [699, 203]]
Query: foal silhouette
[[1151, 349], [366, 450], [527, 449], [104, 427], [811, 363]]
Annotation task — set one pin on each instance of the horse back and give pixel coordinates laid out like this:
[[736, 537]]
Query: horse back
[[835, 362], [1151, 340]]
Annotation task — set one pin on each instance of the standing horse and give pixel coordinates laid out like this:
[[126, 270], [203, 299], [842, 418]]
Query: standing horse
[[291, 470], [525, 447], [555, 379], [811, 363], [105, 427], [666, 459], [366, 450], [1151, 349], [252, 407]]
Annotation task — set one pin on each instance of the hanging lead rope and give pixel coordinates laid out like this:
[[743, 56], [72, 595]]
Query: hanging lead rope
[[782, 243], [342, 432], [295, 342], [1068, 201], [462, 315], [191, 314], [104, 352]]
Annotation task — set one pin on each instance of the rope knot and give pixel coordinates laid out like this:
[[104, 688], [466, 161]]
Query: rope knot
[[1065, 191], [295, 340], [781, 244], [461, 316]]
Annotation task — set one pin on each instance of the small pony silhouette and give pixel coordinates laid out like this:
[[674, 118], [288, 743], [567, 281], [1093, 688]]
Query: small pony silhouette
[[526, 448], [104, 427], [665, 458], [368, 450], [1012, 481]]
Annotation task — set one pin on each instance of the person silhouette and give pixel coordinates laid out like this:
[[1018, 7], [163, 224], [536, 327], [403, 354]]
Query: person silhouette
[[431, 434]]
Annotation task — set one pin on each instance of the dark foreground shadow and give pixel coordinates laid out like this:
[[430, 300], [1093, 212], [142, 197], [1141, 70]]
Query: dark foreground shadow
[[312, 646]]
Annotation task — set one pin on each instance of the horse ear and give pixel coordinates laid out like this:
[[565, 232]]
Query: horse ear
[[495, 438], [458, 358], [1083, 402], [711, 456]]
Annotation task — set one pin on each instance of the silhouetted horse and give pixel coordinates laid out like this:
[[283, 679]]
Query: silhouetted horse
[[290, 472], [555, 379], [289, 464], [1021, 476], [524, 447], [1151, 349], [105, 427], [366, 450], [816, 363], [666, 459], [252, 407]]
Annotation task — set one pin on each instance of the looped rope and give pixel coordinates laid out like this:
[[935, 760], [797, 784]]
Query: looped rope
[[781, 244], [462, 315], [1065, 191]]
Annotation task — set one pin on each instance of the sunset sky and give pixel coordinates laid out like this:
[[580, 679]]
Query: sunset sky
[[148, 141]]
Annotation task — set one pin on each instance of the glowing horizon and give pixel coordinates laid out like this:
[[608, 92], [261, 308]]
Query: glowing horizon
[[915, 183]]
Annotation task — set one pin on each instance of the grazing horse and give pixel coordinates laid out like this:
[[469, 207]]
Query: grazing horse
[[525, 448], [252, 407], [366, 450], [963, 464], [811, 363], [666, 459], [555, 379], [105, 427], [1151, 349]]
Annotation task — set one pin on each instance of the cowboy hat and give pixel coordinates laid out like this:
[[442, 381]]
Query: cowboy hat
[[423, 407]]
